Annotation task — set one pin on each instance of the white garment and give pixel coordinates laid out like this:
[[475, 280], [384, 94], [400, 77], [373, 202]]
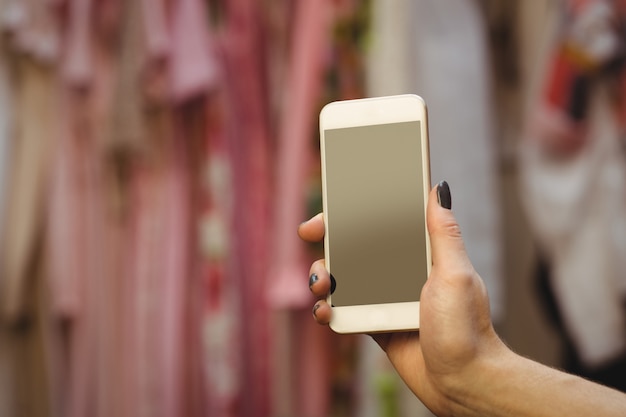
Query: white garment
[[577, 210]]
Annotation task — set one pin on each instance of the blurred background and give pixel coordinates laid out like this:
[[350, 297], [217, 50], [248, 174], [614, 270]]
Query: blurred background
[[156, 157]]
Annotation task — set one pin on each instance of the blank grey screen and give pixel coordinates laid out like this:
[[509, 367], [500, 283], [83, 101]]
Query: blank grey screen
[[375, 213]]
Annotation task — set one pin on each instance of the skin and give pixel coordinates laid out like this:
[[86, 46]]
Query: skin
[[456, 364]]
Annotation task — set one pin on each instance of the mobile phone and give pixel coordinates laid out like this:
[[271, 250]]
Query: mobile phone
[[375, 185]]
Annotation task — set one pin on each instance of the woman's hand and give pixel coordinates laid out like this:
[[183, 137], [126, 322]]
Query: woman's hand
[[456, 334]]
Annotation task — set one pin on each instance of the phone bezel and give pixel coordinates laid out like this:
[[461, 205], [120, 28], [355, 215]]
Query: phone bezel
[[388, 317]]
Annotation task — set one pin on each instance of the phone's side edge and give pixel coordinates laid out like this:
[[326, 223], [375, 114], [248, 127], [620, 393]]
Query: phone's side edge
[[322, 120]]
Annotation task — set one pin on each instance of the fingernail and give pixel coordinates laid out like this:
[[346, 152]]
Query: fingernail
[[443, 195], [312, 280], [315, 308]]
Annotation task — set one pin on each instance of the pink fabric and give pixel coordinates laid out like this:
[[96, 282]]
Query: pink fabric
[[176, 256], [312, 369], [72, 234], [119, 252], [66, 248], [193, 70], [221, 315], [78, 66], [155, 28], [249, 144], [294, 159], [143, 266], [74, 288], [310, 375], [97, 367], [63, 271], [82, 234], [158, 270]]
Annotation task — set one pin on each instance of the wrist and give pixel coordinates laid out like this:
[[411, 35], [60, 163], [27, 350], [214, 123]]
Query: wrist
[[482, 377]]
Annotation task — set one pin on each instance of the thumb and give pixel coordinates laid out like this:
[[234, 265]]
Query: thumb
[[448, 249]]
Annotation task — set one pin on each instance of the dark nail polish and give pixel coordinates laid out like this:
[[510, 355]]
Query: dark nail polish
[[333, 284], [313, 279], [315, 308], [443, 195]]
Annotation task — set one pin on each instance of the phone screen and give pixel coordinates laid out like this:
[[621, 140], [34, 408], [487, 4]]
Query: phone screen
[[375, 213]]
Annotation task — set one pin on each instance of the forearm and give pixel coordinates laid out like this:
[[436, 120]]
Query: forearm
[[513, 386]]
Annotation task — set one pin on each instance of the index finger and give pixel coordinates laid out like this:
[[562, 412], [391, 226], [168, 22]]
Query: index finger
[[313, 229]]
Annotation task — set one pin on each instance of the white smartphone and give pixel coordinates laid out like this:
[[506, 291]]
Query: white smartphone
[[375, 185]]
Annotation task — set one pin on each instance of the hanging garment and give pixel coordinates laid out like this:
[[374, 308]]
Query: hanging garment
[[221, 323], [29, 165], [389, 66], [193, 68], [195, 71], [304, 81], [127, 212], [573, 177], [22, 165], [83, 225], [175, 255], [83, 305], [91, 337], [25, 347], [145, 273], [126, 129], [576, 208], [156, 33], [249, 144], [64, 249], [158, 44], [304, 349], [589, 48], [159, 280], [78, 60], [164, 323]]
